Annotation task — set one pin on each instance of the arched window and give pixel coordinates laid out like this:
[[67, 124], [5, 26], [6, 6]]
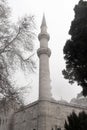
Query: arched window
[[3, 121], [0, 121], [57, 128]]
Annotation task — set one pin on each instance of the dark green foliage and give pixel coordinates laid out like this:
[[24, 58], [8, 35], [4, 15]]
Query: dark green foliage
[[76, 122], [75, 49]]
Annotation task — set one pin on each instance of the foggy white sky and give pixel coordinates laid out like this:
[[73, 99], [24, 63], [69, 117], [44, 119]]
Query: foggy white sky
[[59, 14]]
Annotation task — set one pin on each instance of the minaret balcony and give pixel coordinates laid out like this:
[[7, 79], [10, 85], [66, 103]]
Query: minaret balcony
[[41, 51], [43, 35]]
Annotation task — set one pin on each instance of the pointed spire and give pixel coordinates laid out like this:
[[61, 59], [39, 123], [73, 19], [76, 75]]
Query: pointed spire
[[43, 32], [43, 22]]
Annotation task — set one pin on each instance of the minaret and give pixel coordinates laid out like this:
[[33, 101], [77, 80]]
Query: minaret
[[44, 54]]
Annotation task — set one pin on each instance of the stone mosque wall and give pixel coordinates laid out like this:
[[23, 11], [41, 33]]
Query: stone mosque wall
[[49, 114], [26, 118]]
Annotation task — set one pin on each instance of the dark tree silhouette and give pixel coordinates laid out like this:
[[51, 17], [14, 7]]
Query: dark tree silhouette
[[16, 49], [76, 122], [75, 49]]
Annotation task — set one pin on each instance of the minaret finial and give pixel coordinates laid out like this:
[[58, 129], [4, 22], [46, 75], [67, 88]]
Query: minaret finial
[[43, 21], [43, 32]]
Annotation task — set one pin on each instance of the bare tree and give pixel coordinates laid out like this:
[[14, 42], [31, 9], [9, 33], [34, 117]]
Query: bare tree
[[16, 48]]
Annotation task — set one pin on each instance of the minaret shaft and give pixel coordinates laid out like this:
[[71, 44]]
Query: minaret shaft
[[44, 78], [44, 72]]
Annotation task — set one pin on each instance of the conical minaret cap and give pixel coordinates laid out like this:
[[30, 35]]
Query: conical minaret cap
[[43, 22], [43, 33]]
